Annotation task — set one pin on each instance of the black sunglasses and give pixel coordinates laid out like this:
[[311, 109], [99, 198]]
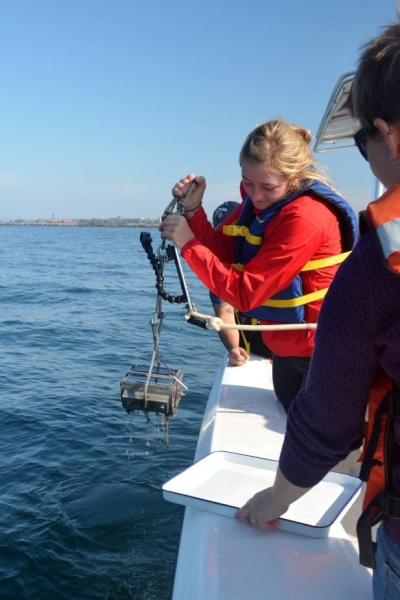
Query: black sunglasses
[[360, 140]]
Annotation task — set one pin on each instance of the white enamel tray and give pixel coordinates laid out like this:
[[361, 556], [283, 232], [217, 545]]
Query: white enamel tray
[[223, 481]]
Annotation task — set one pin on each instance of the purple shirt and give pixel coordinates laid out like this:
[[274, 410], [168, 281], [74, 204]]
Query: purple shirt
[[358, 331]]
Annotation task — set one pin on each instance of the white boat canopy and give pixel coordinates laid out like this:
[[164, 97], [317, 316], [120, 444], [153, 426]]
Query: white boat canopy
[[337, 127]]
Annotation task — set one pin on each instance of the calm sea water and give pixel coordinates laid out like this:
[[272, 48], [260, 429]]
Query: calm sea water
[[81, 511]]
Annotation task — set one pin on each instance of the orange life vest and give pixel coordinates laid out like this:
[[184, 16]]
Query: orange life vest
[[382, 217]]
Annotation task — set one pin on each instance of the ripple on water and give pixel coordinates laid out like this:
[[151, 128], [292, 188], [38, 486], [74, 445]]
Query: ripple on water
[[81, 508]]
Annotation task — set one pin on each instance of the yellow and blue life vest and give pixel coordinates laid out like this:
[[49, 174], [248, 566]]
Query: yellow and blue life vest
[[287, 306]]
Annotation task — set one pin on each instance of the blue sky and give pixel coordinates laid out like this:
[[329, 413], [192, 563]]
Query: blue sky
[[104, 104]]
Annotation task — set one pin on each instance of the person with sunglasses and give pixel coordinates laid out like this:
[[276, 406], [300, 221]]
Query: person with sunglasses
[[278, 252], [360, 140], [355, 369]]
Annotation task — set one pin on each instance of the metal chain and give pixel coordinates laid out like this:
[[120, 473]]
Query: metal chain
[[157, 262]]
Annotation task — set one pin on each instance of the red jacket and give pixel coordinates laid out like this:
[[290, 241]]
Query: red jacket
[[306, 229]]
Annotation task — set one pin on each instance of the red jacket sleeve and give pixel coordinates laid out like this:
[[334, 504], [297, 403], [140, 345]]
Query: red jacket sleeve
[[214, 239]]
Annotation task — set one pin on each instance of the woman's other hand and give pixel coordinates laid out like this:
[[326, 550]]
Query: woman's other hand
[[266, 506], [261, 511], [238, 356], [175, 228]]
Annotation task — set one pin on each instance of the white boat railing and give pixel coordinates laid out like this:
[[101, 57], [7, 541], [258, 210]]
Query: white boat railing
[[220, 558]]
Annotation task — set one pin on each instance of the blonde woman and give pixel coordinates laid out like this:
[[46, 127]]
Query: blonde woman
[[277, 254]]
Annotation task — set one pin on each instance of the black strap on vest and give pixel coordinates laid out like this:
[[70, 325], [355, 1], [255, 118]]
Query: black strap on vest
[[389, 506], [369, 461], [387, 503]]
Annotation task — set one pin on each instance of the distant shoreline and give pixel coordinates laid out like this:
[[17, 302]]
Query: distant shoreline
[[79, 224]]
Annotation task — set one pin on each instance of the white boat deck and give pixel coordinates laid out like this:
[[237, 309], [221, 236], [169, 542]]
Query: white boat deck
[[221, 558]]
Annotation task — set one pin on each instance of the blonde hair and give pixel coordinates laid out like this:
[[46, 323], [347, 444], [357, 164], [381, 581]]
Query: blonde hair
[[284, 148]]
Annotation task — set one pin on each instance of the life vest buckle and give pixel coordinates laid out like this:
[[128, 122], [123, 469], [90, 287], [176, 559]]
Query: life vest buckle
[[390, 505]]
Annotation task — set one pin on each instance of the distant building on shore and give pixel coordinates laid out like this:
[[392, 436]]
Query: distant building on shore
[[113, 222]]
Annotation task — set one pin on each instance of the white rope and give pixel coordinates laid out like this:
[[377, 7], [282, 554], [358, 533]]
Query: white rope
[[217, 324]]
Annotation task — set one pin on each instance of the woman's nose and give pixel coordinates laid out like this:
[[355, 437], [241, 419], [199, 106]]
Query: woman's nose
[[257, 193]]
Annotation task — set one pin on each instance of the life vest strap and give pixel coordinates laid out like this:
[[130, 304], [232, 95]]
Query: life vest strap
[[394, 405], [242, 231], [293, 302], [325, 262], [245, 321], [389, 506], [389, 406], [321, 263], [366, 547], [369, 462]]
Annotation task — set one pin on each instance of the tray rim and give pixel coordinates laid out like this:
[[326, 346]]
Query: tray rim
[[283, 520]]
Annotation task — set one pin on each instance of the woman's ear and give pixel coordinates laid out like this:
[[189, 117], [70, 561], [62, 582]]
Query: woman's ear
[[391, 134]]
